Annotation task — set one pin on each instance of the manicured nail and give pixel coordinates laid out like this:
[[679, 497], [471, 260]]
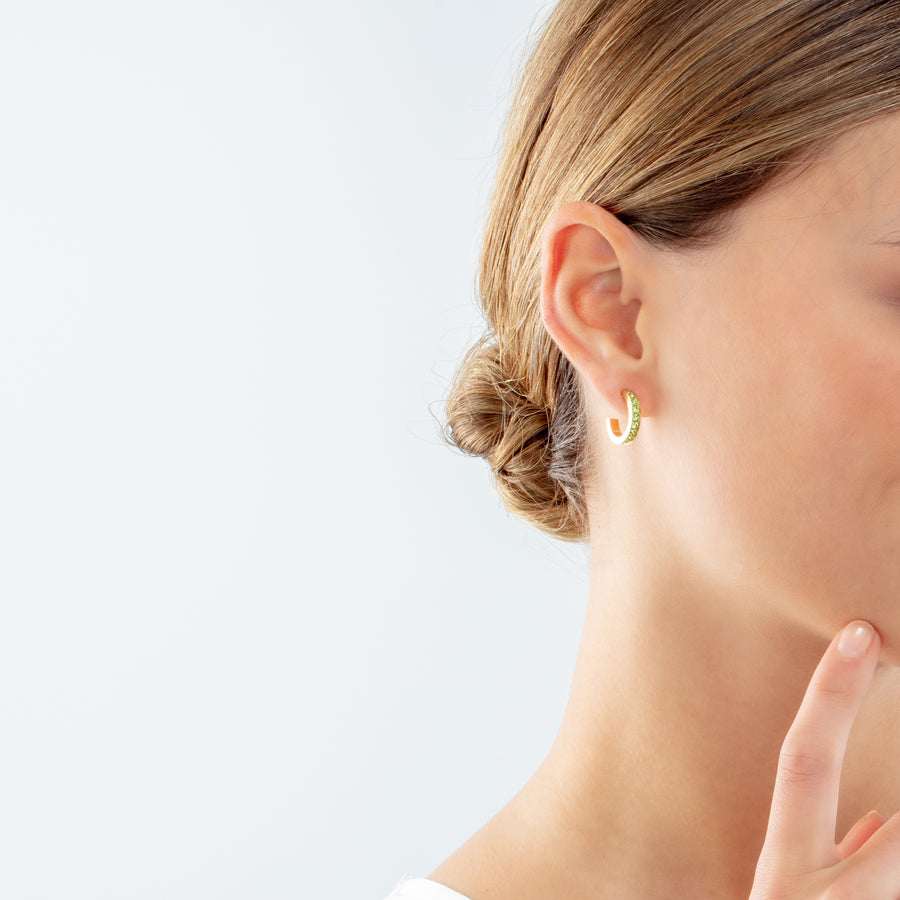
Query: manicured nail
[[856, 639]]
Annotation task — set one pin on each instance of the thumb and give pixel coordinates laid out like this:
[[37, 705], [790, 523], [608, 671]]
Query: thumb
[[860, 833]]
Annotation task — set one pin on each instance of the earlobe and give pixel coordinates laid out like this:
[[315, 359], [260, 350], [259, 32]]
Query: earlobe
[[590, 297]]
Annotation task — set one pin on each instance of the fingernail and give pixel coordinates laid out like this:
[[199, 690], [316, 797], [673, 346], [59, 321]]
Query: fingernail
[[856, 639]]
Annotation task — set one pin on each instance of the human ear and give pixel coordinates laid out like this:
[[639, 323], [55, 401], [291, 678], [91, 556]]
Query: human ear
[[592, 283]]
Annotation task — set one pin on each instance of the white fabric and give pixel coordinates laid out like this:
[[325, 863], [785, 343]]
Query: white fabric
[[423, 889]]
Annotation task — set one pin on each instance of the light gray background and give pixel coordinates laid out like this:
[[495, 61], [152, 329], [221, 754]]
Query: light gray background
[[262, 634]]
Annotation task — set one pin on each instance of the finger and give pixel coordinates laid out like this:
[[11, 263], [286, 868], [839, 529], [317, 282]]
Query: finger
[[804, 803], [874, 870], [860, 833]]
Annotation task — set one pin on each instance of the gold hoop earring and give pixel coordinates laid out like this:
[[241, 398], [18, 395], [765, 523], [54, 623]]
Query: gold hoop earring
[[634, 421]]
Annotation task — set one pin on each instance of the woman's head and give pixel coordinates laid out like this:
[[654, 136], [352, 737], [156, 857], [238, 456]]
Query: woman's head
[[668, 117]]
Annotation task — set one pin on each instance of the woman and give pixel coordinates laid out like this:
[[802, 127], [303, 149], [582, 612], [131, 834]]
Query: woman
[[691, 273]]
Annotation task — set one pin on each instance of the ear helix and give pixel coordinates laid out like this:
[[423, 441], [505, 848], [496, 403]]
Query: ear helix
[[616, 435]]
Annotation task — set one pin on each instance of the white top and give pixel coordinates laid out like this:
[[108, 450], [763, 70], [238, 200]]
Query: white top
[[423, 889]]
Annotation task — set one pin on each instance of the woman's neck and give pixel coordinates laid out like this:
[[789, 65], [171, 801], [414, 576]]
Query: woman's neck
[[662, 773], [660, 779]]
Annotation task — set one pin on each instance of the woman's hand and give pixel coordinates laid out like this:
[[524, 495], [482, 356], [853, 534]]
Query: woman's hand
[[800, 859]]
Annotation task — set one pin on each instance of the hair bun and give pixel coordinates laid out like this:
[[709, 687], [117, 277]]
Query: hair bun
[[491, 415]]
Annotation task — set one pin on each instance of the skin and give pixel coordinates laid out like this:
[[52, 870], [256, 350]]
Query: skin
[[756, 514]]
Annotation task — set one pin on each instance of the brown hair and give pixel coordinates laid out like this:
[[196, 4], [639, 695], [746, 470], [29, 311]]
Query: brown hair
[[668, 113]]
